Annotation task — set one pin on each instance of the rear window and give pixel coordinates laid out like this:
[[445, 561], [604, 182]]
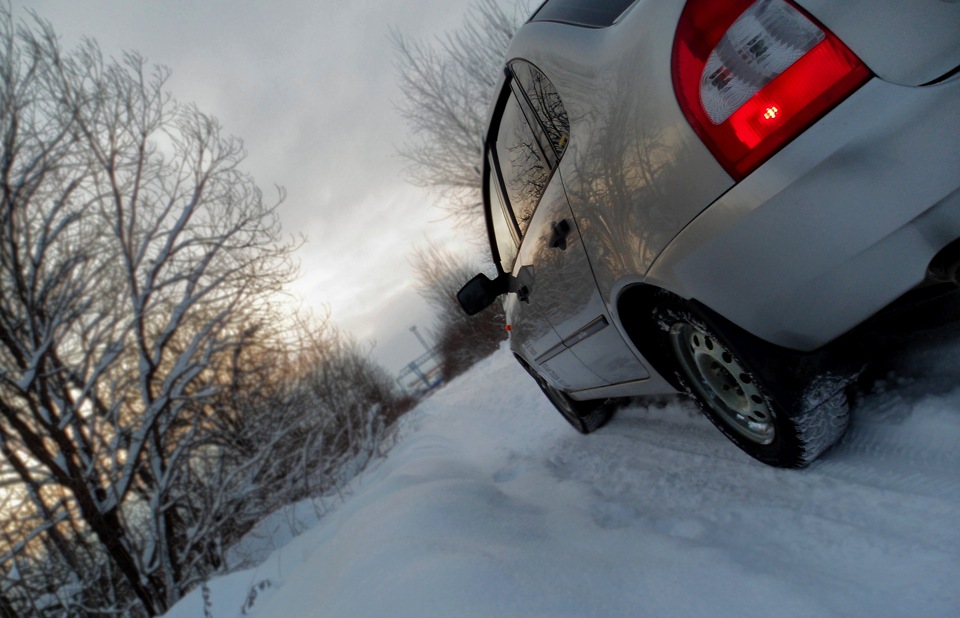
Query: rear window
[[589, 13]]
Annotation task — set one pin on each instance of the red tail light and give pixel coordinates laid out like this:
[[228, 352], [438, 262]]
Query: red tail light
[[750, 75]]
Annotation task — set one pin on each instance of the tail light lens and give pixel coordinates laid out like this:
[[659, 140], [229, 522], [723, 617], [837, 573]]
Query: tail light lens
[[751, 75]]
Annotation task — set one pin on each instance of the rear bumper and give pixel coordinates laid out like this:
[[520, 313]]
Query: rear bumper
[[836, 226]]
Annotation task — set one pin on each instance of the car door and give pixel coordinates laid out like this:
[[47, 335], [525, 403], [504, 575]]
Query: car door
[[554, 308], [517, 181]]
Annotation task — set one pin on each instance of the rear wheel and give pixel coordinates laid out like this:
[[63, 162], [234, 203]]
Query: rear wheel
[[718, 379], [783, 425]]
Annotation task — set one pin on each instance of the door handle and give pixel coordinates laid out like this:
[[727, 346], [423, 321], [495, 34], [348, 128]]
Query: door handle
[[523, 294], [561, 229]]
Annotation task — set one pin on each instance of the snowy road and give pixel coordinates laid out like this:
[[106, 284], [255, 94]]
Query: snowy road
[[490, 506]]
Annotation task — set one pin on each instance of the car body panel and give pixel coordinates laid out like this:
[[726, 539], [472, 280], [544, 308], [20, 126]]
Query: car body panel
[[828, 231], [626, 164], [839, 224], [555, 312], [615, 243], [555, 292], [907, 42]]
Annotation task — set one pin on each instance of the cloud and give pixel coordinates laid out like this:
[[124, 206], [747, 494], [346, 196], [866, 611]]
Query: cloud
[[309, 87]]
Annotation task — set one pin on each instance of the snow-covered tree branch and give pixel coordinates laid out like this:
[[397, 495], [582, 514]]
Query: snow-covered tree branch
[[446, 86], [149, 410]]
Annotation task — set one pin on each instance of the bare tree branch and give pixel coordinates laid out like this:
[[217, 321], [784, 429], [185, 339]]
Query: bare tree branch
[[447, 84]]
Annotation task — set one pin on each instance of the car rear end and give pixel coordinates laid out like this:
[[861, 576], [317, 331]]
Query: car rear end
[[838, 213], [761, 164]]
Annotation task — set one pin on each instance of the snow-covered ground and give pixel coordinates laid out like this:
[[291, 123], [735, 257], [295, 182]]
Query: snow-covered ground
[[489, 505]]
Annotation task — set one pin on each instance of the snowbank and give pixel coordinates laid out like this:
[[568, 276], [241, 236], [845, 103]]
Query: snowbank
[[491, 506]]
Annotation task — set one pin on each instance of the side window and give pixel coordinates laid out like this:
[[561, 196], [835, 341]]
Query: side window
[[531, 137], [545, 103], [522, 164], [504, 231]]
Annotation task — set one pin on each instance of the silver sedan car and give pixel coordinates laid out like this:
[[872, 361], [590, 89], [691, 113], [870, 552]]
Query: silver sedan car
[[704, 196]]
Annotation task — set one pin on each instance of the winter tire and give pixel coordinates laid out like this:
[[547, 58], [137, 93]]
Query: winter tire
[[781, 424]]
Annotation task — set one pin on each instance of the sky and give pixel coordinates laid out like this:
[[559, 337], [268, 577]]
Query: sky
[[310, 87]]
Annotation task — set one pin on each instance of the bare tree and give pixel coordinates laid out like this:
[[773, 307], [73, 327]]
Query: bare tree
[[135, 258], [293, 427], [446, 87], [461, 340]]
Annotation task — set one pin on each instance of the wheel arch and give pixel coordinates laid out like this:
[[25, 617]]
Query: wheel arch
[[785, 370], [635, 312]]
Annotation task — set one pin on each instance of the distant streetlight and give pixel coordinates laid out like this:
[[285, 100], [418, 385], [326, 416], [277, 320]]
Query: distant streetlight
[[413, 329]]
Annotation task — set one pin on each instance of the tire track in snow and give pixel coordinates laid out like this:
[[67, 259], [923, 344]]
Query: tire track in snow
[[666, 469]]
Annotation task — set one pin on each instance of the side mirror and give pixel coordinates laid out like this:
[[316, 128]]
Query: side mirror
[[480, 292]]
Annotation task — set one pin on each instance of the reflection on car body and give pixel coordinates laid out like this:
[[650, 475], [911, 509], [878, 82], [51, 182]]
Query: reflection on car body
[[703, 196]]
